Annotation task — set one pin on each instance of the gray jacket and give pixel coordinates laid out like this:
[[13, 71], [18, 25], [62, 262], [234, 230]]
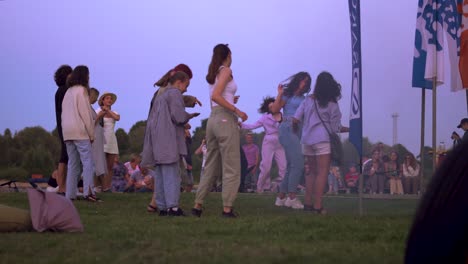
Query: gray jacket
[[164, 136]]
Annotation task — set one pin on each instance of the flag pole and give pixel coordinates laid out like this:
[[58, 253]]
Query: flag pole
[[434, 124], [466, 92], [421, 155]]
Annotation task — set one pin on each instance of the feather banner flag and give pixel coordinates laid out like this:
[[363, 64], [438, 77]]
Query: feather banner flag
[[463, 65], [355, 123], [438, 27]]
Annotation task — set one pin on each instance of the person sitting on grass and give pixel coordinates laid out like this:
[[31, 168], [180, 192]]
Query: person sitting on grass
[[351, 179], [141, 181], [119, 172], [132, 165]]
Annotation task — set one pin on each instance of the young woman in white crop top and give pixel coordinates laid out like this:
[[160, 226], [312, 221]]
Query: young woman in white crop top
[[222, 133]]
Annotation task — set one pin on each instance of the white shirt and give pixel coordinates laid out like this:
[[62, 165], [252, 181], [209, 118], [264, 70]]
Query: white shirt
[[228, 93]]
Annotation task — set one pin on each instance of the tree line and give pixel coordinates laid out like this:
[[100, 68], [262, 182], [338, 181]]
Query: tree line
[[33, 150]]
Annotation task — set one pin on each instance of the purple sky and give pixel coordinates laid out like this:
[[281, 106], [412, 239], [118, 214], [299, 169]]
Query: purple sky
[[129, 45]]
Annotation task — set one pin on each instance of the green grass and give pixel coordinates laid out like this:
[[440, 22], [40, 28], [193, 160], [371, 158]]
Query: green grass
[[119, 230]]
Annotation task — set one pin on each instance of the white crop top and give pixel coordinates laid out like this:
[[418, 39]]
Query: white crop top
[[228, 93]]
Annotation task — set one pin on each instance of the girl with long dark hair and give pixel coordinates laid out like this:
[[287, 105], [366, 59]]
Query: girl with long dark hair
[[319, 115], [290, 96], [222, 133], [78, 134]]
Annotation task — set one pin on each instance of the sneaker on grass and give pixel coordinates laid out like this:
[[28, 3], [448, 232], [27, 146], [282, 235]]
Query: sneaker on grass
[[280, 202], [293, 203]]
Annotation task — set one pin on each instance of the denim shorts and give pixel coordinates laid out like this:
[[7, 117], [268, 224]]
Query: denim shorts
[[321, 148]]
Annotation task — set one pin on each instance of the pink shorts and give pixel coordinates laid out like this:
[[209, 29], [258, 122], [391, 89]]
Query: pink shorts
[[321, 148]]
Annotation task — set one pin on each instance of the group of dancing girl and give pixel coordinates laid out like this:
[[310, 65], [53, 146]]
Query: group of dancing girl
[[296, 125]]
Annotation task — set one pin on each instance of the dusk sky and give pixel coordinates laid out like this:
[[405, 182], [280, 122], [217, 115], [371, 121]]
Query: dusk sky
[[128, 45]]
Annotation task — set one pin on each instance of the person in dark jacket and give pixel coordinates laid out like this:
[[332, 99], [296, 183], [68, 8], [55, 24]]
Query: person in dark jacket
[[60, 78]]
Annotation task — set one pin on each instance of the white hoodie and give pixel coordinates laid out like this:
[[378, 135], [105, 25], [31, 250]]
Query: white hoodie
[[77, 119]]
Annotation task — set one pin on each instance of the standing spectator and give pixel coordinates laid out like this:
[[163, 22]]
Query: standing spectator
[[290, 96], [271, 147], [78, 133], [464, 125], [110, 147], [99, 157], [375, 171], [187, 178], [320, 116], [201, 150], [222, 133], [410, 175], [351, 179], [189, 101], [60, 78], [165, 143], [392, 169], [252, 154]]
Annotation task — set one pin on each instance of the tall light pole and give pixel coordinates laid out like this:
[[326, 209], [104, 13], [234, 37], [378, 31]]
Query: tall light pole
[[395, 128]]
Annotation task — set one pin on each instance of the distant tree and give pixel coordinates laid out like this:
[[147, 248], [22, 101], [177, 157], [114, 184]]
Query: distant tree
[[6, 146], [366, 146], [3, 152], [38, 146], [7, 133], [55, 133], [123, 141], [136, 136], [38, 160]]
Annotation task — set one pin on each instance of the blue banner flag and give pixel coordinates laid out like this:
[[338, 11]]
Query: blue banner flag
[[437, 36], [355, 125]]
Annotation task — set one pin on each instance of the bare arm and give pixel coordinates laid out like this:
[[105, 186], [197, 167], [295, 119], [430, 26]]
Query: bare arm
[[99, 116], [114, 115], [224, 77], [199, 150], [278, 103]]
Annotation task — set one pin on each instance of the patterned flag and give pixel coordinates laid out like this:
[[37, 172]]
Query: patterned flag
[[355, 124], [463, 65], [437, 35]]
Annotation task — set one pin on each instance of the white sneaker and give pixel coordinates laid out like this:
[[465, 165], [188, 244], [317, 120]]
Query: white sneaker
[[280, 202], [294, 203], [52, 189]]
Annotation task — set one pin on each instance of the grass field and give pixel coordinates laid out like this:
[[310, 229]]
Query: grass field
[[119, 230]]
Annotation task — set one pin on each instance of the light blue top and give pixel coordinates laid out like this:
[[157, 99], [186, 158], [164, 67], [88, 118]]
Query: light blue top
[[291, 105], [313, 131]]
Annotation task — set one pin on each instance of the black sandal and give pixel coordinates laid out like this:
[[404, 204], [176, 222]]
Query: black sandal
[[92, 198], [230, 214], [196, 212]]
